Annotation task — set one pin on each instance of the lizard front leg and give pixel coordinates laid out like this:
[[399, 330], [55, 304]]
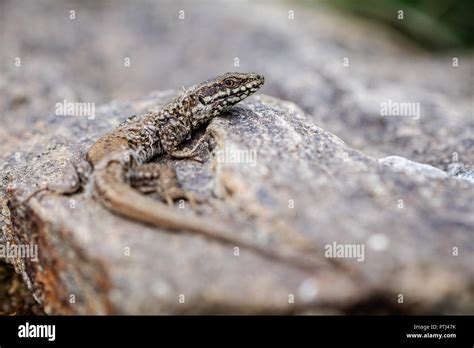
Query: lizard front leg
[[192, 153], [176, 128], [162, 179]]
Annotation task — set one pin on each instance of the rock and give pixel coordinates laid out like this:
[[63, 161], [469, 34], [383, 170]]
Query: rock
[[19, 298], [374, 234], [338, 70], [459, 170], [411, 167]]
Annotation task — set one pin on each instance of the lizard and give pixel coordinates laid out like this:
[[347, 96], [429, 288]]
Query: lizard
[[119, 158], [118, 169]]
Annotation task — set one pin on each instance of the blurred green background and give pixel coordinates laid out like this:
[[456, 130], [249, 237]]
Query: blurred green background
[[434, 24]]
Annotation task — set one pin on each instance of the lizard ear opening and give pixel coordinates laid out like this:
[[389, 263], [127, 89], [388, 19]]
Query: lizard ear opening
[[201, 100]]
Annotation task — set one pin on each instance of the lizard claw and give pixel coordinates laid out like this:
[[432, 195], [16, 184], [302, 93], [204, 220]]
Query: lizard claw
[[197, 159]]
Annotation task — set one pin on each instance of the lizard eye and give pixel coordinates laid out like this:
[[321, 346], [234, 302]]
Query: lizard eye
[[201, 100], [229, 82]]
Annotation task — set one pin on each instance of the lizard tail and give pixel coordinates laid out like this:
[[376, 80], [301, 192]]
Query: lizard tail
[[114, 192]]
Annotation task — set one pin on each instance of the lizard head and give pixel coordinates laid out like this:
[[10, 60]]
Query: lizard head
[[216, 95]]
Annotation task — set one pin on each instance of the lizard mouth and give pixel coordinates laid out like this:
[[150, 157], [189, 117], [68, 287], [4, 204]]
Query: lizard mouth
[[237, 94]]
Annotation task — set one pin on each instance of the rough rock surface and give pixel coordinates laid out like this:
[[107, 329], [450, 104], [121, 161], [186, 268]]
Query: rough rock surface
[[273, 175], [356, 198]]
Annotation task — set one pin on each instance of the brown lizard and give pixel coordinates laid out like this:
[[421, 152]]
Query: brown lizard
[[119, 158], [116, 165]]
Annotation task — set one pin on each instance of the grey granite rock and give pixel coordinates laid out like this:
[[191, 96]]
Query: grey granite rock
[[274, 176]]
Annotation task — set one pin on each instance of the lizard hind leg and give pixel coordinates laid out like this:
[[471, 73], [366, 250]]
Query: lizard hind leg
[[74, 176], [162, 179]]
